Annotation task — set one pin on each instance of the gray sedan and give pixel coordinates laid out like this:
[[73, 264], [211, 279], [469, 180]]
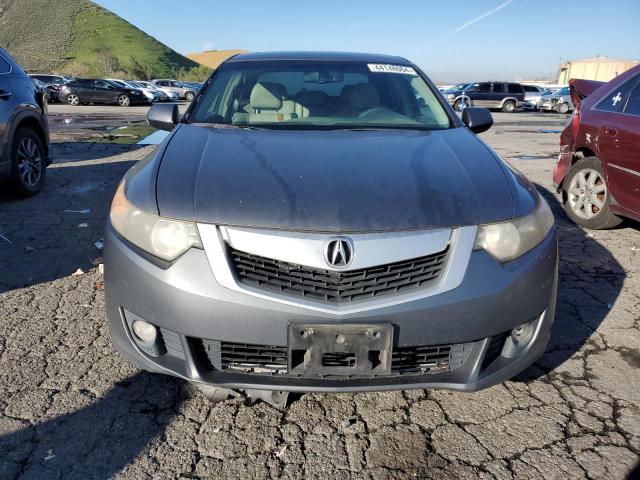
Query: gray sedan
[[326, 222]]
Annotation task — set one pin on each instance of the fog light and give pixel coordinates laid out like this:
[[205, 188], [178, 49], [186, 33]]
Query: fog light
[[522, 334], [519, 339], [144, 331]]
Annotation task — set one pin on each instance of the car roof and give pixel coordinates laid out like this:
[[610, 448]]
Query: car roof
[[320, 56]]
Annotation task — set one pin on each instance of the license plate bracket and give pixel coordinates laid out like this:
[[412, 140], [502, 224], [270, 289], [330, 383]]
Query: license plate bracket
[[340, 349]]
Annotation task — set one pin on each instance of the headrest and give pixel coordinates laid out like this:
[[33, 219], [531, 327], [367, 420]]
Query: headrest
[[312, 98], [267, 95], [364, 95]]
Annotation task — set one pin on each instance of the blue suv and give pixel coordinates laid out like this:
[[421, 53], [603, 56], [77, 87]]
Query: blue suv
[[502, 95], [24, 131]]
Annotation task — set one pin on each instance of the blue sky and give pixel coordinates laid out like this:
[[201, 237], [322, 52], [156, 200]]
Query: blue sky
[[451, 40]]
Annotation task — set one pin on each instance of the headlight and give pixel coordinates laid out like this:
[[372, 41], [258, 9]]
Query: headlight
[[451, 96], [509, 240], [161, 237]]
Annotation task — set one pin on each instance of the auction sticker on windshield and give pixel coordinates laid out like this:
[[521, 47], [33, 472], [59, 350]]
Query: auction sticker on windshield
[[382, 68]]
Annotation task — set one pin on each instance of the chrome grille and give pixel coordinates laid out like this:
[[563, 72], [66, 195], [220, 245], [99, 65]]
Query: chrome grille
[[337, 287]]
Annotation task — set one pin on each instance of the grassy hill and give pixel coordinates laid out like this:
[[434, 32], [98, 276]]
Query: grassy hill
[[78, 37]]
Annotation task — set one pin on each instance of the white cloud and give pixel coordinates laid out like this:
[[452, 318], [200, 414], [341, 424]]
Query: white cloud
[[481, 17]]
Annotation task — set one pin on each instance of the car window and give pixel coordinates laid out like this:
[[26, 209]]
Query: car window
[[633, 104], [497, 88], [101, 84], [5, 67], [315, 95], [514, 88], [616, 99], [479, 88]]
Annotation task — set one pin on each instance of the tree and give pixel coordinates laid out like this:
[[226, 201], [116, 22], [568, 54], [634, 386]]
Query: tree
[[108, 64]]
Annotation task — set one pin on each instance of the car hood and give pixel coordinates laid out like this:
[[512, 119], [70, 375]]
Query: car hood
[[336, 181]]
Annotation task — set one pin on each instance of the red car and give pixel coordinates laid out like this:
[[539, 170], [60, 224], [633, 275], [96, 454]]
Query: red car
[[598, 169]]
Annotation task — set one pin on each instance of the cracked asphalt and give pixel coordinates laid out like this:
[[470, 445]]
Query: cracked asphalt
[[71, 407]]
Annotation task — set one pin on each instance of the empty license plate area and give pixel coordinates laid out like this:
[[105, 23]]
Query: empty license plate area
[[340, 349]]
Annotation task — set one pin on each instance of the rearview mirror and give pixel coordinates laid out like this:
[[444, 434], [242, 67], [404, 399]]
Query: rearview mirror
[[477, 119], [163, 117]]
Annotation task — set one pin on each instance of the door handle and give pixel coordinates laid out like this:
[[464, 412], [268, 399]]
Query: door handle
[[613, 131], [5, 95]]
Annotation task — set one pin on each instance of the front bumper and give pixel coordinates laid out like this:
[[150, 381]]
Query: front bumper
[[192, 309]]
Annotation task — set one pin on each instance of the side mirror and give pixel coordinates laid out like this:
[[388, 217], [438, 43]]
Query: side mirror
[[477, 119], [163, 117]]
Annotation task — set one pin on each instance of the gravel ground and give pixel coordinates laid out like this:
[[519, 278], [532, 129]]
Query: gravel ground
[[71, 407]]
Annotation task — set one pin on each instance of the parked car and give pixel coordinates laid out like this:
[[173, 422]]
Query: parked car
[[24, 131], [157, 94], [598, 169], [532, 94], [54, 82], [171, 95], [185, 93], [454, 89], [558, 101], [49, 91], [501, 95], [326, 222], [152, 97], [91, 90]]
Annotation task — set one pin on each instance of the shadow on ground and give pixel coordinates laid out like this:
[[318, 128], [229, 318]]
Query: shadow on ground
[[106, 435], [590, 281]]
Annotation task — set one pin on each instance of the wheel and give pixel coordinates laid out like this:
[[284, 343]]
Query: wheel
[[189, 96], [509, 106], [564, 108], [73, 99], [457, 105], [586, 197], [124, 101], [28, 163]]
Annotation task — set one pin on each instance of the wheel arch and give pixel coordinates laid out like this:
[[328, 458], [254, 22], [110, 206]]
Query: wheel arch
[[31, 121], [509, 99]]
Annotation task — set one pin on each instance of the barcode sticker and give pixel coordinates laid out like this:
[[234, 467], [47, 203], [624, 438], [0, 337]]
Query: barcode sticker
[[383, 68]]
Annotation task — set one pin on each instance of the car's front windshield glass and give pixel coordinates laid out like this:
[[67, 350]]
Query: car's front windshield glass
[[314, 95]]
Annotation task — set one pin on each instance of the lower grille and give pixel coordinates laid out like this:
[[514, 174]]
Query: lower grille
[[272, 360], [337, 287]]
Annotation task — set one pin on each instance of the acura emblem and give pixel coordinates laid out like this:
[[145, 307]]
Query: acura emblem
[[339, 252]]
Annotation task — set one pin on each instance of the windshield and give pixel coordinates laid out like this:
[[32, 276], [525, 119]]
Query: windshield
[[299, 94]]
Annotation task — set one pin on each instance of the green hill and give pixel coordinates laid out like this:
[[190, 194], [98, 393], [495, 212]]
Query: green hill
[[78, 37]]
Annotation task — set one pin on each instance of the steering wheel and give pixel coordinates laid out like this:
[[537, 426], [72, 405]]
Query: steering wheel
[[372, 110]]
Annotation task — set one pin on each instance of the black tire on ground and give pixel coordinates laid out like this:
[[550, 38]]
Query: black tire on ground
[[28, 163], [189, 96], [509, 106], [457, 105], [603, 218], [124, 100], [564, 108]]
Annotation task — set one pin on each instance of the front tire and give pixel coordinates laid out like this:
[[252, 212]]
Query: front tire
[[458, 105], [28, 163], [73, 99], [189, 96], [124, 100], [586, 198], [509, 106], [564, 108]]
